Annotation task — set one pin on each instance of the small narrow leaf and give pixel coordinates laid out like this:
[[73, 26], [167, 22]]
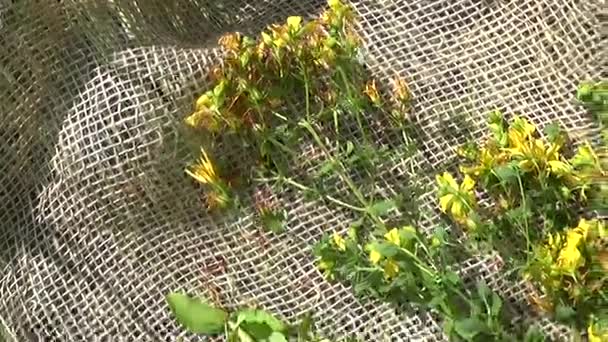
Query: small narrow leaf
[[305, 327], [350, 147], [382, 207], [195, 315]]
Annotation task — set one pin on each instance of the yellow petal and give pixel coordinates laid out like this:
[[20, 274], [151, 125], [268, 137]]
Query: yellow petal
[[390, 269], [280, 42], [570, 259], [585, 225], [444, 202], [374, 257], [266, 38], [334, 4], [467, 184], [526, 165], [339, 241], [523, 126], [393, 236], [446, 179], [203, 101], [559, 168], [294, 22], [457, 211]]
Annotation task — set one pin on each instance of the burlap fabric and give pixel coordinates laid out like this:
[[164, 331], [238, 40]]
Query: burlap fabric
[[98, 220]]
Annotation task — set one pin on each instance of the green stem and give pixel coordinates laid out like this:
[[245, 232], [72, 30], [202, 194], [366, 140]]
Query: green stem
[[341, 171], [527, 229], [351, 100], [306, 188]]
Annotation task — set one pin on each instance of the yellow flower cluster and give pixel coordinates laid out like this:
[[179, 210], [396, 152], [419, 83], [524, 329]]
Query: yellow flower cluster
[[457, 200], [389, 265], [574, 261], [532, 154]]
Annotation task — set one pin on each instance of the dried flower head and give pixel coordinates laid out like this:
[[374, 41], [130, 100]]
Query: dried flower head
[[217, 199], [231, 42], [401, 91], [372, 92]]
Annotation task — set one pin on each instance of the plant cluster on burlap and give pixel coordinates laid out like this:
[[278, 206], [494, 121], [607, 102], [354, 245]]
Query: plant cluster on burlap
[[522, 193]]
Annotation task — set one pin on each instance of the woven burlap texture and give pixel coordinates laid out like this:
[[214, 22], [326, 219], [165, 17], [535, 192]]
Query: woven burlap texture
[[98, 220]]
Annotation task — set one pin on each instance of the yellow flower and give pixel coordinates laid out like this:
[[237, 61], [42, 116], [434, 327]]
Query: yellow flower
[[372, 92], [393, 236], [339, 242], [266, 38], [326, 267], [374, 256], [467, 184], [326, 17], [596, 336], [457, 200], [519, 134], [204, 171], [559, 168], [390, 269], [489, 157], [204, 101], [447, 180], [444, 202], [334, 4], [294, 23], [280, 42], [570, 257], [584, 226]]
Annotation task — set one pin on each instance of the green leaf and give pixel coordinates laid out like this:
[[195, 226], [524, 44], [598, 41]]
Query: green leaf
[[327, 167], [497, 126], [483, 291], [452, 277], [584, 91], [195, 315], [564, 313], [260, 324], [274, 221], [386, 249], [468, 328], [277, 337], [382, 207], [496, 305], [534, 335], [506, 173], [554, 132]]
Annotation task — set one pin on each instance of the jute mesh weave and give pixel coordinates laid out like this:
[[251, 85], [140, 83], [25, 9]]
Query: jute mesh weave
[[98, 220]]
